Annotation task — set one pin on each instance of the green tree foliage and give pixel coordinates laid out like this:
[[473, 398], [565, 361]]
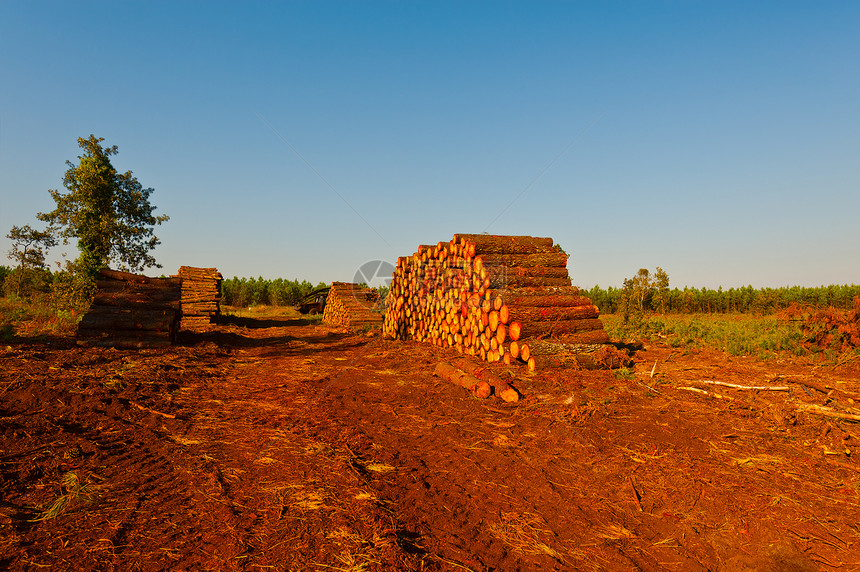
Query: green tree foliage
[[660, 296], [29, 249], [4, 272], [109, 213], [245, 292], [734, 300]]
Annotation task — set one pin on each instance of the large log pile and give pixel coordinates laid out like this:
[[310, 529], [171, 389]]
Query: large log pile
[[201, 296], [131, 311], [490, 297], [352, 306]]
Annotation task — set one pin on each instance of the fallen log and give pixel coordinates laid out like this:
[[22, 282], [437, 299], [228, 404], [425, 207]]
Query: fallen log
[[501, 388], [577, 356]]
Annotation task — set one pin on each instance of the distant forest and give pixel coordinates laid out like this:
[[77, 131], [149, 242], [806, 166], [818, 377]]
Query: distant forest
[[280, 292], [650, 294], [242, 292], [734, 300]]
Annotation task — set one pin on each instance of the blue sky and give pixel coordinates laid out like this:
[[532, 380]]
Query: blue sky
[[717, 140]]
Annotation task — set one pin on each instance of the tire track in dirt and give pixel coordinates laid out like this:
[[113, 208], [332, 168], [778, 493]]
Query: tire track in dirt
[[452, 471], [148, 503], [477, 503]]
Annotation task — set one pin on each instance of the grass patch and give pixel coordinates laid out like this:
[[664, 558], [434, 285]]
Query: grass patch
[[765, 337], [34, 318]]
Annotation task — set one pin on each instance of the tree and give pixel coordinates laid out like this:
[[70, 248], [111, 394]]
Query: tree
[[107, 212], [661, 290], [641, 287], [29, 248]]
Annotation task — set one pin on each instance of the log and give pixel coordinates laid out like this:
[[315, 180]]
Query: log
[[515, 330], [168, 299], [140, 320], [519, 299], [505, 244], [525, 314], [592, 337], [502, 388], [456, 376], [137, 278], [542, 263], [505, 280], [559, 327], [578, 356], [156, 284]]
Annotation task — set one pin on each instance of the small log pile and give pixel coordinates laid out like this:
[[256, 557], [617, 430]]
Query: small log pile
[[478, 379], [352, 306], [201, 296], [131, 311], [491, 297]]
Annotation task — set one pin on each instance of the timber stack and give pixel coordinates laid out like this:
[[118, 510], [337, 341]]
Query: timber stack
[[491, 297], [131, 311], [201, 296], [352, 306]]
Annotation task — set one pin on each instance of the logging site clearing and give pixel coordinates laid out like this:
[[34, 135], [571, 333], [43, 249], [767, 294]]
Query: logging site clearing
[[270, 441]]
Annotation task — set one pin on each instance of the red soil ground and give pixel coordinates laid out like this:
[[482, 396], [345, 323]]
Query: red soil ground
[[280, 445]]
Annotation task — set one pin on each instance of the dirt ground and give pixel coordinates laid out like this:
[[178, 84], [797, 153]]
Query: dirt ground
[[275, 444]]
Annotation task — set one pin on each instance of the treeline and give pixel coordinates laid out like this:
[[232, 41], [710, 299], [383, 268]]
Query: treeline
[[648, 292], [734, 300], [243, 292]]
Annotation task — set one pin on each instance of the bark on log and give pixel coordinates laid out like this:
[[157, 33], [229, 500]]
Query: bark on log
[[501, 388], [138, 279], [560, 327], [506, 244], [119, 319], [168, 299], [578, 356], [524, 314], [505, 280]]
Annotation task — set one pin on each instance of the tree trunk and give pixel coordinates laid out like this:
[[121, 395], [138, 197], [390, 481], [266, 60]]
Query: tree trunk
[[525, 314]]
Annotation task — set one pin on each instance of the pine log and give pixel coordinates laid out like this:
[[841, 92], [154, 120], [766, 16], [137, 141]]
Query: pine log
[[506, 244], [578, 356], [456, 376], [524, 314], [107, 285], [501, 388], [592, 337], [129, 297], [128, 320], [555, 328], [137, 278], [504, 280], [550, 259]]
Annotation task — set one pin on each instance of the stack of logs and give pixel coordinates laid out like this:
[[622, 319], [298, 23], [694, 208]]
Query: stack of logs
[[131, 311], [352, 306], [491, 297], [201, 296]]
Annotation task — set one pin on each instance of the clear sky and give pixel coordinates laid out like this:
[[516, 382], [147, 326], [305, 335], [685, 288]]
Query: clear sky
[[717, 140]]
